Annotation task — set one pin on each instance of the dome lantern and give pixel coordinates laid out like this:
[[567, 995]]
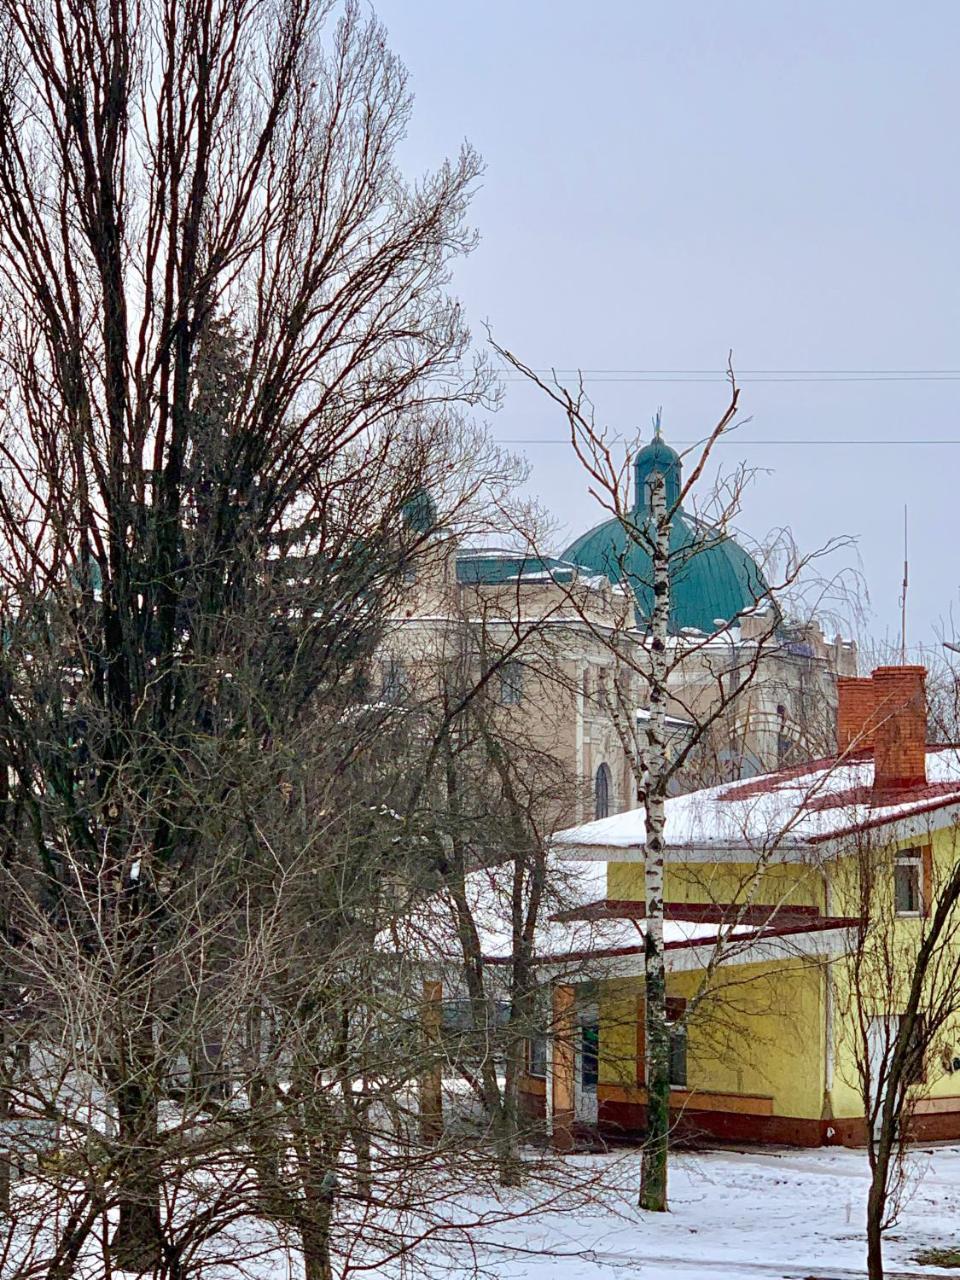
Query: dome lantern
[[713, 580], [656, 458]]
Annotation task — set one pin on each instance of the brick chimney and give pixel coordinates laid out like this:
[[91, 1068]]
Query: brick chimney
[[856, 704], [900, 733]]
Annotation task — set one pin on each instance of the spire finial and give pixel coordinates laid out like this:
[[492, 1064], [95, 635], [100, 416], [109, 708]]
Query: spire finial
[[656, 456]]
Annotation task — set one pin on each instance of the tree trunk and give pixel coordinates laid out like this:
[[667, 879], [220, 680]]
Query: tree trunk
[[137, 1243], [882, 1154], [653, 1178], [505, 1135], [431, 1075], [509, 1164], [317, 1154], [876, 1202], [6, 1095], [315, 1239], [268, 1126], [358, 1126]]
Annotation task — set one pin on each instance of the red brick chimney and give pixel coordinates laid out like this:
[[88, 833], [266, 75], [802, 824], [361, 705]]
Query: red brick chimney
[[856, 704], [900, 733]]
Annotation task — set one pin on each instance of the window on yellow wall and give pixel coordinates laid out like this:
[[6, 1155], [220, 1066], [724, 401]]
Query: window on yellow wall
[[677, 1029], [676, 1009], [678, 1057], [907, 886]]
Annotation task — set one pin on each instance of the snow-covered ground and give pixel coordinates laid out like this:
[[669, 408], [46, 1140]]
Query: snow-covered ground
[[735, 1215]]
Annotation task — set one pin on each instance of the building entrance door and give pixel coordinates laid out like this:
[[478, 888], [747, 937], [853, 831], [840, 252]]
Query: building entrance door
[[881, 1034], [587, 1067]]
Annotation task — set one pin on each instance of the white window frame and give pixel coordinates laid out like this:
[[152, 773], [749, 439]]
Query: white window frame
[[912, 859], [539, 1037]]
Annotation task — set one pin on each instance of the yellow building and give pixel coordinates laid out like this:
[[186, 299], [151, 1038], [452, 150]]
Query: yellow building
[[779, 990]]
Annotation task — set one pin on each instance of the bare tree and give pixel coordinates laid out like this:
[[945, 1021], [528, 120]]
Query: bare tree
[[647, 655], [497, 797], [914, 966], [228, 362]]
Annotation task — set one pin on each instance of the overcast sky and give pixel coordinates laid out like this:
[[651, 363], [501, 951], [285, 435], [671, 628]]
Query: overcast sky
[[665, 181]]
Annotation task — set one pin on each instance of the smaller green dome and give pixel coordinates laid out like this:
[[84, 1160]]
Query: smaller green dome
[[420, 512]]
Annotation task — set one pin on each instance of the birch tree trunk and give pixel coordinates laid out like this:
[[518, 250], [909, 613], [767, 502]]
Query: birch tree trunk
[[653, 1178]]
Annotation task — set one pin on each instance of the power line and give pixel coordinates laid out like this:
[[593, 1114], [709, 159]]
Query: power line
[[514, 376], [871, 372], [818, 443], [842, 369]]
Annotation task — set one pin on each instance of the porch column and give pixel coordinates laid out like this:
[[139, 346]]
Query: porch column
[[564, 1029], [431, 1070]]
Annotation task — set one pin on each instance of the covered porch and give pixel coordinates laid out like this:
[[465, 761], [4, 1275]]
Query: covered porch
[[750, 1012]]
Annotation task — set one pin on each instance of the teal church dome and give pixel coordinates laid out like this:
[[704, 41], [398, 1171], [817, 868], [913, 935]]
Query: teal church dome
[[420, 512], [711, 576]]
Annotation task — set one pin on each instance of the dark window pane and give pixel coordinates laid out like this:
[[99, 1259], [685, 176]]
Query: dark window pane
[[678, 1056], [537, 1055], [457, 1015], [906, 887], [602, 792], [589, 1055], [511, 684], [916, 1050], [394, 680]]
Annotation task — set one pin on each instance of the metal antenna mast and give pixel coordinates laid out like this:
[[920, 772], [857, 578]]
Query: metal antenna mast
[[903, 594]]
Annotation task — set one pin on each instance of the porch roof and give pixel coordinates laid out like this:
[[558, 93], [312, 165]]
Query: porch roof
[[583, 935], [693, 946]]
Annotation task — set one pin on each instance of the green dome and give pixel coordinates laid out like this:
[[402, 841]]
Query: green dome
[[420, 512], [711, 576]]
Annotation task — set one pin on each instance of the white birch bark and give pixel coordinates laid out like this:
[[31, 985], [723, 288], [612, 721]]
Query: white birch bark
[[653, 1186]]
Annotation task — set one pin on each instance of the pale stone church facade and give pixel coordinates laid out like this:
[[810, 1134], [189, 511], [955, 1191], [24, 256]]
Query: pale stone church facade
[[550, 629]]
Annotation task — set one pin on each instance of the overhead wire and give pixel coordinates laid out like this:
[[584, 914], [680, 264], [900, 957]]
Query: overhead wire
[[742, 375], [516, 377], [733, 438]]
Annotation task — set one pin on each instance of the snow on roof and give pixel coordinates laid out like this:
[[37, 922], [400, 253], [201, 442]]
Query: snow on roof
[[795, 808], [428, 934], [429, 931], [643, 714]]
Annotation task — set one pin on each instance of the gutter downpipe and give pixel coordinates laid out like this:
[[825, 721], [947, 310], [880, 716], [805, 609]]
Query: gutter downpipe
[[828, 1013], [548, 1091]]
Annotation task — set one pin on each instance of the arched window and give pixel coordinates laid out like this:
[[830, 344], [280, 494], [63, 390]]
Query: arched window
[[394, 680], [648, 485], [601, 792], [784, 741]]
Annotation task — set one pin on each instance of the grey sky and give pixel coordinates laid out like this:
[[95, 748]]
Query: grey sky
[[667, 181]]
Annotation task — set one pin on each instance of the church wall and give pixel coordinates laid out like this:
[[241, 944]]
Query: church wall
[[788, 707]]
